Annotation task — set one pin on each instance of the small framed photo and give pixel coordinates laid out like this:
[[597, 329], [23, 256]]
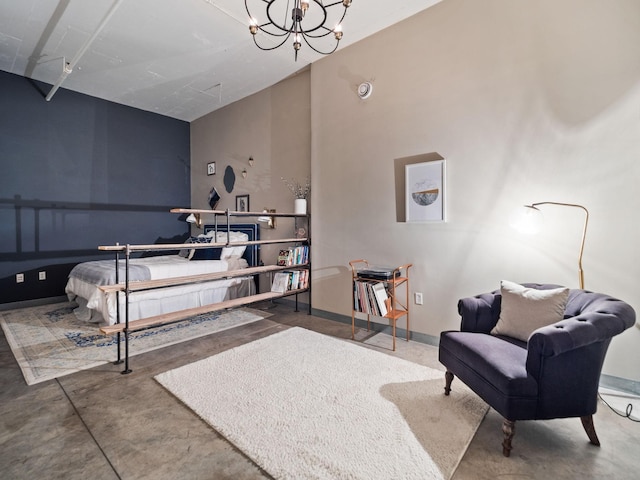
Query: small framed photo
[[242, 203], [211, 168], [425, 194]]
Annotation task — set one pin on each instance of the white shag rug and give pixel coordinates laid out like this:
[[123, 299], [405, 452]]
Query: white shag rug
[[303, 405]]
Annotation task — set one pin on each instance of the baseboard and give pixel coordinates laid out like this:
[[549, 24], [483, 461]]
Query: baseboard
[[620, 384], [377, 327]]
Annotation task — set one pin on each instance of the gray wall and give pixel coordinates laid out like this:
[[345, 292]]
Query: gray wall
[[78, 172], [272, 126], [527, 102]]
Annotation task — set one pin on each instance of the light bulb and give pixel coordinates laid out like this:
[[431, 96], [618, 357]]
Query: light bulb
[[527, 219], [337, 31], [253, 26]]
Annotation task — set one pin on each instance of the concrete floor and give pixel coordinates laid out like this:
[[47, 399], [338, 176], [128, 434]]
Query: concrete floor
[[99, 424]]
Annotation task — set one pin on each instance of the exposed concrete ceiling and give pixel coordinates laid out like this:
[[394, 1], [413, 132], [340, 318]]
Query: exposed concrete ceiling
[[179, 58]]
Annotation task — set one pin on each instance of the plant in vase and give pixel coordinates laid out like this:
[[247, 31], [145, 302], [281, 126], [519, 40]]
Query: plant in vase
[[300, 192]]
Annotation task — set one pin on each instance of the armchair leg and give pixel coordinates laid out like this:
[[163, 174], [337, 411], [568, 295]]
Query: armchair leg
[[587, 423], [509, 430], [448, 376]]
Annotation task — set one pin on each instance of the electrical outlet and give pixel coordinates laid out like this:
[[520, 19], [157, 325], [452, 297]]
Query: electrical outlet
[[417, 296], [19, 277], [42, 275]]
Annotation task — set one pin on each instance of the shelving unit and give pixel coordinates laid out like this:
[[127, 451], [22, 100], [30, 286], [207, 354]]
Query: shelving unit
[[127, 286], [397, 304]]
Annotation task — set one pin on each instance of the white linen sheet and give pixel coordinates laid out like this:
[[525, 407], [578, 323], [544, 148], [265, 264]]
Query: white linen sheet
[[96, 306]]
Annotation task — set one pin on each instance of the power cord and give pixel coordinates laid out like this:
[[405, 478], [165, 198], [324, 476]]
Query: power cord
[[627, 413]]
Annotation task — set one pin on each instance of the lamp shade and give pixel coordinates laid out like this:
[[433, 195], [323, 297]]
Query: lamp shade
[[527, 219]]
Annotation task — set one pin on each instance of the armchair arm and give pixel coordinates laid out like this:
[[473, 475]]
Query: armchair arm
[[582, 330], [598, 323], [480, 313]]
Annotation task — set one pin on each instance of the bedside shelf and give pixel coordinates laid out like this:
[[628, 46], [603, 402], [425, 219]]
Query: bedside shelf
[[380, 297]]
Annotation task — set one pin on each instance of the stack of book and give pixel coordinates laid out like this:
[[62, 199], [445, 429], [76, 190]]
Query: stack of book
[[370, 297], [293, 256], [290, 280]]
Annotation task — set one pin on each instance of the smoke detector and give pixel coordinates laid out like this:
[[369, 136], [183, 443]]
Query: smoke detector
[[364, 90]]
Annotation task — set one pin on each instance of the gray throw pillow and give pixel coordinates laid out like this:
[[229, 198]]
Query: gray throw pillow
[[524, 310]]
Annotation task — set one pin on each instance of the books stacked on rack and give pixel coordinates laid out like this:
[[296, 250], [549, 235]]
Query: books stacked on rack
[[290, 280], [370, 297], [293, 256]]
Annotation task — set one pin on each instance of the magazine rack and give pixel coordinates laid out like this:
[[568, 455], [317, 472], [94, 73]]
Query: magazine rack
[[380, 292]]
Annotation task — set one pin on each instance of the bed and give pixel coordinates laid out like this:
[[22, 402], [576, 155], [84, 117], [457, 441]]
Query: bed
[[98, 307]]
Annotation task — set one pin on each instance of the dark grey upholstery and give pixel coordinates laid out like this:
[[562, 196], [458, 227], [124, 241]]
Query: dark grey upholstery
[[553, 375]]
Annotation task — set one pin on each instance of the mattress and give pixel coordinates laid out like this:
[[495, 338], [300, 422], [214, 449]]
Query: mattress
[[99, 307]]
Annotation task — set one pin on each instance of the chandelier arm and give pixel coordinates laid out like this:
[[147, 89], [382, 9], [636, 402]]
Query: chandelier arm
[[322, 35], [333, 5], [322, 26], [304, 37], [263, 30], [271, 48], [284, 31]]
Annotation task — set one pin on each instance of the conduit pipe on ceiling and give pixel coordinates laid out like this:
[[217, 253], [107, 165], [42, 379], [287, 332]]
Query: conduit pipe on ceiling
[[68, 67]]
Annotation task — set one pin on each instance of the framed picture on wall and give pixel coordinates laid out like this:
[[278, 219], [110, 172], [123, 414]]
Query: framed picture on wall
[[242, 203], [425, 192]]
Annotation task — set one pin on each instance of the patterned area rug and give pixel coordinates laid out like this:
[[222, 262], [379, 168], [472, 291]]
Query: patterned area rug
[[305, 405], [49, 341]]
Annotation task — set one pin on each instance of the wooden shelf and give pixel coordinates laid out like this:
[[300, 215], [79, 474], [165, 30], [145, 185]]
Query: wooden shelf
[[135, 286], [396, 314], [396, 308], [232, 213], [196, 246], [166, 318]]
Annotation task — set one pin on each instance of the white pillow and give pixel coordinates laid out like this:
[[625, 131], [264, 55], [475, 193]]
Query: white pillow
[[230, 252], [524, 310]]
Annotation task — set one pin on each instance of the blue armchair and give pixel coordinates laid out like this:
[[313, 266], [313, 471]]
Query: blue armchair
[[555, 374]]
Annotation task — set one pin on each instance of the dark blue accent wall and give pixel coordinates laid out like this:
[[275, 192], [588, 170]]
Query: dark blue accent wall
[[77, 172]]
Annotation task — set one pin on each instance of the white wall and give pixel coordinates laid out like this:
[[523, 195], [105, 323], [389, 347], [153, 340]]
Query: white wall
[[527, 102]]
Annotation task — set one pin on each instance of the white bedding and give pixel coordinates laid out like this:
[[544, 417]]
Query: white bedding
[[96, 306], [170, 266]]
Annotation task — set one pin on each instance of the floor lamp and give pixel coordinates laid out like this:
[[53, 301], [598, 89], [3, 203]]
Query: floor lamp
[[529, 221]]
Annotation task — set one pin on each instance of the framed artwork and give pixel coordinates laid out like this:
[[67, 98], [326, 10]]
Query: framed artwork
[[242, 203], [211, 168], [425, 192], [214, 198]]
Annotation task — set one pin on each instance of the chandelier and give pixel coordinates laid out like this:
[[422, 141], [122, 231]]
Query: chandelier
[[310, 21]]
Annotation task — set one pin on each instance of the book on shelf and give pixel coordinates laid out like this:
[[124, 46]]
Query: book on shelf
[[293, 256], [290, 280], [280, 282], [283, 257], [298, 279], [371, 297], [363, 294], [381, 296]]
